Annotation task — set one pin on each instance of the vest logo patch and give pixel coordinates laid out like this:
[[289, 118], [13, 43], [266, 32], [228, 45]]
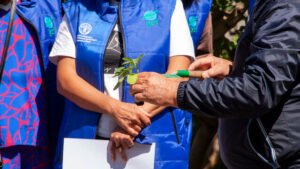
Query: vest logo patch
[[50, 26], [84, 29], [151, 18], [193, 23]]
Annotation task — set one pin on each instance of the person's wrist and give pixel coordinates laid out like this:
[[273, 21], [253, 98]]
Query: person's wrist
[[146, 107], [173, 93], [113, 107], [180, 94]]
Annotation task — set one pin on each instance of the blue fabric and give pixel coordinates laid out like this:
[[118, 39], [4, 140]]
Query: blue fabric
[[196, 13], [25, 157], [21, 91], [42, 19], [146, 30], [251, 6]]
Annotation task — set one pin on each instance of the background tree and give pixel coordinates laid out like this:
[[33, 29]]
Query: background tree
[[229, 18]]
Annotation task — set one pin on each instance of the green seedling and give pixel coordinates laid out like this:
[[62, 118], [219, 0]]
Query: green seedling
[[126, 71]]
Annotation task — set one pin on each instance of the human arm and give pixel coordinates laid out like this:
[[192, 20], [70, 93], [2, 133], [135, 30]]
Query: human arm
[[120, 140], [176, 63], [86, 96], [212, 66], [73, 87], [270, 72]]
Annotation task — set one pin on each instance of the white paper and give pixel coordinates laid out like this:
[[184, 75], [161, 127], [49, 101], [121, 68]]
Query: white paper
[[95, 154]]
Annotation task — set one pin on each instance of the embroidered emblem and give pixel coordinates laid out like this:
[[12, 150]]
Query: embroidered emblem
[[151, 18], [50, 26], [85, 28], [193, 23]]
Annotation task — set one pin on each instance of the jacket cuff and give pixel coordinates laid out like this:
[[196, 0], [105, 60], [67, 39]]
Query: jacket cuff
[[181, 95]]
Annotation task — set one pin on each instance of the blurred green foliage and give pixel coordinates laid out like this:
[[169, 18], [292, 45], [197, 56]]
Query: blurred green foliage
[[229, 17]]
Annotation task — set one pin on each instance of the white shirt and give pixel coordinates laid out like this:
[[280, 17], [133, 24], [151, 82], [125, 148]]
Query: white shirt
[[180, 44]]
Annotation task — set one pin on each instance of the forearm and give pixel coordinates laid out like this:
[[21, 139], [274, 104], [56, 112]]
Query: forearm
[[80, 92], [176, 63], [257, 91], [153, 109]]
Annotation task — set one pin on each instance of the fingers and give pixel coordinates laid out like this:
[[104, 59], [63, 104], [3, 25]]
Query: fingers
[[131, 130], [144, 112], [144, 117], [122, 153], [131, 118], [212, 67], [140, 97], [215, 72], [115, 145], [141, 118], [137, 128], [135, 121], [202, 63], [119, 142], [129, 142], [136, 88], [205, 74], [112, 150]]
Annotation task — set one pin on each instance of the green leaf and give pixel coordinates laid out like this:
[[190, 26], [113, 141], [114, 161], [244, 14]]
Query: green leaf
[[132, 78], [126, 71], [128, 59], [120, 81], [138, 60], [117, 85]]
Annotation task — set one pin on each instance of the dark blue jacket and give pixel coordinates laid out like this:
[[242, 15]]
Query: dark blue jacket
[[264, 84]]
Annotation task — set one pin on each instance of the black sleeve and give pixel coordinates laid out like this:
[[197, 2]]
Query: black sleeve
[[270, 72]]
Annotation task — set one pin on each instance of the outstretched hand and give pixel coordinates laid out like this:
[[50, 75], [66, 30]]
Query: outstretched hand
[[212, 67]]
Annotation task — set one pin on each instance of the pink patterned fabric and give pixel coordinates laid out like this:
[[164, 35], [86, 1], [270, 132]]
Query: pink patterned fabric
[[22, 95]]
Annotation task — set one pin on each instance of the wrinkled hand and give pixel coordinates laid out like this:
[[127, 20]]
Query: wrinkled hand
[[156, 89], [120, 141], [131, 118], [212, 67]]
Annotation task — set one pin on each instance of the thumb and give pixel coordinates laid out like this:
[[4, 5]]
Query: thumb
[[212, 72], [201, 63], [205, 74]]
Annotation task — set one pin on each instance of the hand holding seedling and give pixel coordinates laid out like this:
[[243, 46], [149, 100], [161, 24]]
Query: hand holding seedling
[[156, 89], [127, 71]]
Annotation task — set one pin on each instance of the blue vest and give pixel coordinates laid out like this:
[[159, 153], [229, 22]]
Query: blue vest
[[145, 26], [196, 13], [43, 17]]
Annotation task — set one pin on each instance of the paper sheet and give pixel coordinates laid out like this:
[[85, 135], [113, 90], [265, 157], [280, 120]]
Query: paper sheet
[[95, 154]]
